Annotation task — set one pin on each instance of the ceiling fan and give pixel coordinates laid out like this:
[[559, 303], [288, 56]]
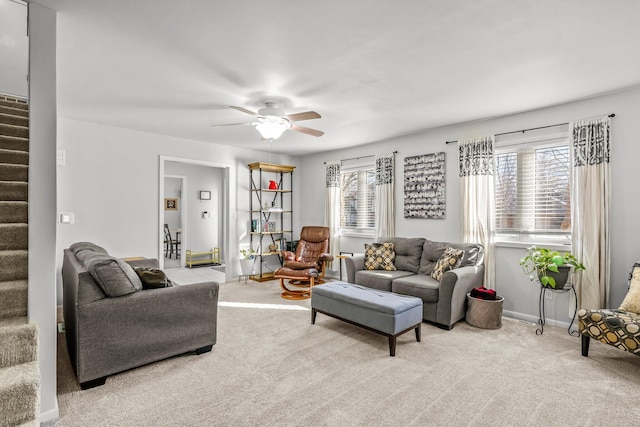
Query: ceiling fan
[[271, 122]]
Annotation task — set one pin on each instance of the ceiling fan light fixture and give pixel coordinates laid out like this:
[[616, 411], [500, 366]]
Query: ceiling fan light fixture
[[272, 127]]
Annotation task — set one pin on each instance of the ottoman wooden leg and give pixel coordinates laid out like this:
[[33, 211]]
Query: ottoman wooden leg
[[418, 332], [392, 346]]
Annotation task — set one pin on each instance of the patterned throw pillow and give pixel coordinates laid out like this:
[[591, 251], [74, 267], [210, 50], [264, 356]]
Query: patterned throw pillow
[[379, 256], [449, 260], [632, 301]]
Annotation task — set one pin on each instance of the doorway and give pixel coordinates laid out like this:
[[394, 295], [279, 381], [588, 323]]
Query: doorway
[[202, 212], [174, 225]]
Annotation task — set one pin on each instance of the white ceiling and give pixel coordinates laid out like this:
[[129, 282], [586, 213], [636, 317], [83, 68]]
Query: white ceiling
[[374, 69]]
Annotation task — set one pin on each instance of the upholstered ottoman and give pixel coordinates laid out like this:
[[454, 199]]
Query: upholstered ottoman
[[383, 312]]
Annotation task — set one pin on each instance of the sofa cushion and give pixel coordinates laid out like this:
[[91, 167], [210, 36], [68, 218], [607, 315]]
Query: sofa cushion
[[152, 278], [449, 260], [418, 285], [87, 253], [114, 276], [408, 252], [379, 279], [379, 256], [632, 301], [473, 253], [431, 253]]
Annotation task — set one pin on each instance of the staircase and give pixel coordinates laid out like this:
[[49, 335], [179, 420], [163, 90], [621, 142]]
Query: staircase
[[19, 369]]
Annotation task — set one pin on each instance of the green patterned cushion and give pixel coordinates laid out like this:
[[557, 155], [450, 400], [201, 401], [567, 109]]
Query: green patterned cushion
[[449, 260], [379, 256], [632, 300]]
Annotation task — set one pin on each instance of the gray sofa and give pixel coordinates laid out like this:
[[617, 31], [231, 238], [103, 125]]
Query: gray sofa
[[444, 301], [113, 324]]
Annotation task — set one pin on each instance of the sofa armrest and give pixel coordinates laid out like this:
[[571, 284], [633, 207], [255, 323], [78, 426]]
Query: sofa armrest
[[452, 296], [353, 263], [125, 332]]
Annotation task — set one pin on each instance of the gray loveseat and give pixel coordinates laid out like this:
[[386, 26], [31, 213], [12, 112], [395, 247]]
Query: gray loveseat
[[112, 324], [444, 301]]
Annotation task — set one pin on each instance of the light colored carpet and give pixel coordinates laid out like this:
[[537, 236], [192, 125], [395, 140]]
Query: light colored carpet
[[272, 367]]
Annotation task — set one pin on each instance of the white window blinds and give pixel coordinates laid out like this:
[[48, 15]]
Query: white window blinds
[[533, 185], [357, 200]]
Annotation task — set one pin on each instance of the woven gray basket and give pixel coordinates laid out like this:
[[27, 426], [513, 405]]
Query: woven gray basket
[[485, 314]]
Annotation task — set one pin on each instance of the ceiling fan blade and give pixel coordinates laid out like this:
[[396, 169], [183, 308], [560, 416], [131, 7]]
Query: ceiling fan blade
[[232, 124], [308, 131], [244, 110], [307, 115]]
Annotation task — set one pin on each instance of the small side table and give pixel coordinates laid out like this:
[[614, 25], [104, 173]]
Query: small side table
[[541, 314], [342, 256]]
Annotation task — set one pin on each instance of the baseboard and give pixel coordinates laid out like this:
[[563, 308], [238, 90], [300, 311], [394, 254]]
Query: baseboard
[[47, 417], [534, 319]]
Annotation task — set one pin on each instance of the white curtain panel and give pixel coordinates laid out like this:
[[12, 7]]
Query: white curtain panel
[[476, 158], [332, 207], [385, 218], [591, 204]]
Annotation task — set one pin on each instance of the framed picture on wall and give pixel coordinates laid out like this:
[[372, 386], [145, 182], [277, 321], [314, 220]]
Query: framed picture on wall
[[205, 195], [170, 204]]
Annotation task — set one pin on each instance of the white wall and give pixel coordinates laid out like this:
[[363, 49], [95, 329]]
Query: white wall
[[14, 48], [42, 199], [111, 183], [521, 296], [202, 234]]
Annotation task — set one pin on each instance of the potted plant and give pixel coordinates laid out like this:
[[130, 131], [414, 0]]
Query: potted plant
[[551, 267], [247, 259]]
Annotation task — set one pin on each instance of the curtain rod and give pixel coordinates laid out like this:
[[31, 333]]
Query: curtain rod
[[361, 157], [526, 130]]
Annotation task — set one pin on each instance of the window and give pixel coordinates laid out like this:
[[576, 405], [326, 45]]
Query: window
[[357, 198], [533, 189]]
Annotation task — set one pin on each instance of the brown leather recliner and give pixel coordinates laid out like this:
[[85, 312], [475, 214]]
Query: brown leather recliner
[[307, 266]]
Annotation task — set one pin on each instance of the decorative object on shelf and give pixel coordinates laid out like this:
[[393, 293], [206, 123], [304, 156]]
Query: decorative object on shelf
[[273, 185], [271, 226], [424, 186], [170, 204], [550, 267], [205, 195], [273, 247], [255, 225]]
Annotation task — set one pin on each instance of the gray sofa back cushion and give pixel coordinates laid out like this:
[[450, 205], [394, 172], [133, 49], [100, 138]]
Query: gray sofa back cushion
[[115, 277], [408, 251], [431, 252]]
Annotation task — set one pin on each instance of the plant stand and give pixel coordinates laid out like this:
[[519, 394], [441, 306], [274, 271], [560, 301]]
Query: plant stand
[[485, 314], [541, 315]]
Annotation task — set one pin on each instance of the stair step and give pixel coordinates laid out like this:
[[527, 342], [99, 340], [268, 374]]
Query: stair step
[[12, 130], [14, 265], [12, 321], [14, 143], [15, 157], [14, 111], [12, 119], [11, 212], [18, 344], [14, 191], [20, 394], [14, 236], [14, 104], [9, 172], [13, 300]]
